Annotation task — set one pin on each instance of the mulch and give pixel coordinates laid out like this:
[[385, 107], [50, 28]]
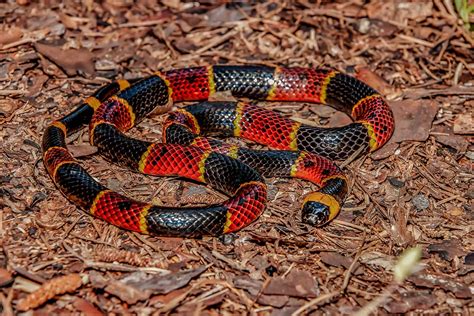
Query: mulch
[[415, 191]]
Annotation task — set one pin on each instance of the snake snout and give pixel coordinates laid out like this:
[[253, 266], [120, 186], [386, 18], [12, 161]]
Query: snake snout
[[315, 213]]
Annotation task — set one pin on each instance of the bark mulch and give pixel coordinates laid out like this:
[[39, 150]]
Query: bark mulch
[[415, 191]]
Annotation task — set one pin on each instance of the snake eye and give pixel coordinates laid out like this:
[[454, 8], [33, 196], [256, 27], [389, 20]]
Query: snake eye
[[315, 213]]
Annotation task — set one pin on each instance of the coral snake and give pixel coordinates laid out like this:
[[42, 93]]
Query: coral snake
[[300, 151]]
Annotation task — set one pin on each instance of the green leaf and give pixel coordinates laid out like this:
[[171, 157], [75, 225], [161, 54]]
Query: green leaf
[[458, 4]]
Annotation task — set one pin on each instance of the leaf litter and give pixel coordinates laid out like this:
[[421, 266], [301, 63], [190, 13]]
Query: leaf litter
[[414, 53]]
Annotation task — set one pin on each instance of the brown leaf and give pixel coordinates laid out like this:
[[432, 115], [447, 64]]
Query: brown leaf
[[412, 119], [222, 96], [364, 74], [162, 284], [184, 45], [192, 20], [337, 260], [5, 277], [11, 35], [86, 307], [297, 283], [82, 150], [386, 151], [446, 137], [222, 14], [377, 259], [169, 243], [167, 298], [464, 124], [339, 119], [126, 293], [448, 249], [174, 4], [97, 280], [72, 61], [68, 21], [424, 279], [38, 82], [411, 300], [254, 287]]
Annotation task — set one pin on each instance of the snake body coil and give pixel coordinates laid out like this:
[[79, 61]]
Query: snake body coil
[[236, 171]]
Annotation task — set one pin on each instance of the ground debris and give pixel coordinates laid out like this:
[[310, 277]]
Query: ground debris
[[448, 249], [446, 136], [297, 283], [413, 119], [5, 277], [420, 202], [416, 190], [162, 284], [459, 290], [49, 290], [338, 260], [72, 61], [254, 287], [86, 307], [464, 124], [409, 301]]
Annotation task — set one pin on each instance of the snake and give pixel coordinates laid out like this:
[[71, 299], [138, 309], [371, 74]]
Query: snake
[[190, 149]]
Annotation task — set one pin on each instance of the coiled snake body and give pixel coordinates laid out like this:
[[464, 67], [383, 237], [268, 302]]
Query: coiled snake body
[[300, 151]]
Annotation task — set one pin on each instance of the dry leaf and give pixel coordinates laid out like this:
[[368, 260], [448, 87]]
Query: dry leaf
[[86, 307], [425, 279], [412, 300], [5, 277], [11, 35], [412, 119], [125, 292], [364, 74], [82, 150], [297, 283], [445, 136], [162, 284], [72, 61], [448, 249], [254, 287], [464, 124]]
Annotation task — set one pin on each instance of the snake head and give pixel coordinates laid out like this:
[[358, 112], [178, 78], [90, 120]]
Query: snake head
[[319, 208], [315, 213]]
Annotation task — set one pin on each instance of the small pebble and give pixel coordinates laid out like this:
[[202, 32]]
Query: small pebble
[[363, 26], [270, 270], [32, 231], [469, 259], [228, 239], [420, 202], [456, 211], [396, 182]]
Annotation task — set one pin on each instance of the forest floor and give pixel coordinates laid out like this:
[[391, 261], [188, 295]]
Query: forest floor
[[415, 191]]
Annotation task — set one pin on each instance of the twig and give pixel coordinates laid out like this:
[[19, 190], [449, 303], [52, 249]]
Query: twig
[[7, 92], [216, 42], [416, 40], [351, 157], [140, 24], [315, 301], [7, 309]]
